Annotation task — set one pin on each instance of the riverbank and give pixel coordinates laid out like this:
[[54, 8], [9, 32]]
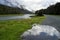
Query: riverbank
[[11, 14], [12, 29]]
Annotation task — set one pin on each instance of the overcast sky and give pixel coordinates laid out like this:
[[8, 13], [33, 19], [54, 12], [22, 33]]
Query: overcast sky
[[32, 4]]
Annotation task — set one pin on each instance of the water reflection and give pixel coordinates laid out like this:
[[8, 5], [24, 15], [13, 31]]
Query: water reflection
[[41, 32], [25, 16]]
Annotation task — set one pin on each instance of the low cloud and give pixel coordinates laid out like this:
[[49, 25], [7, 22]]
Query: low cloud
[[31, 4]]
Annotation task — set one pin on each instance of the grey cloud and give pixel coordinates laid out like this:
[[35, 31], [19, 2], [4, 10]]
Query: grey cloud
[[33, 5]]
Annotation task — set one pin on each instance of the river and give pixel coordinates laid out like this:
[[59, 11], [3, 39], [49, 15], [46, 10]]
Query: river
[[25, 16]]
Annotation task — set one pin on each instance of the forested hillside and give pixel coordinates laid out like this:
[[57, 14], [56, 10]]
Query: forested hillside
[[12, 10], [52, 9]]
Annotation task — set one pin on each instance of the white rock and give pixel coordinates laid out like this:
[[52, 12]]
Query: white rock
[[41, 32]]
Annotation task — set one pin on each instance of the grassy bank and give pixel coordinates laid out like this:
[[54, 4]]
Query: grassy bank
[[11, 14], [12, 29]]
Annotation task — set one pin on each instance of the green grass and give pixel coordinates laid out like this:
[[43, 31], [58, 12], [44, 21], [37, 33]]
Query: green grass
[[12, 29], [11, 14]]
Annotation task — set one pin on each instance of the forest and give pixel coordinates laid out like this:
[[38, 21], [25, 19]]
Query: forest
[[12, 10], [51, 10]]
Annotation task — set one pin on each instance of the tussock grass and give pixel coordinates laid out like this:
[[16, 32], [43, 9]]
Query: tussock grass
[[12, 29], [11, 14]]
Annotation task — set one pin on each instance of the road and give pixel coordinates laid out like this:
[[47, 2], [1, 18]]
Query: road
[[52, 21]]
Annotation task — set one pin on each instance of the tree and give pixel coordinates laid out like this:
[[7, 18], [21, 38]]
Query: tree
[[52, 9], [40, 12]]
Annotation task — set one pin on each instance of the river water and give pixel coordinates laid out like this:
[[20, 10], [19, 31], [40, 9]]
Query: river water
[[41, 32], [25, 16]]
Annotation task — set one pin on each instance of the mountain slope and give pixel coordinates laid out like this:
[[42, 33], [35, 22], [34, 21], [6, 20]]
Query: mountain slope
[[12, 10], [52, 9], [9, 10]]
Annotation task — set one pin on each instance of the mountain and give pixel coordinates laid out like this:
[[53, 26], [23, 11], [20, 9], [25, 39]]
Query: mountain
[[52, 9], [12, 10], [11, 7]]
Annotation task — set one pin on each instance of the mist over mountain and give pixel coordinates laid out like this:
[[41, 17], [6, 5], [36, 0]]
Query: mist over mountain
[[4, 9], [12, 7], [31, 5], [11, 3], [51, 10]]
